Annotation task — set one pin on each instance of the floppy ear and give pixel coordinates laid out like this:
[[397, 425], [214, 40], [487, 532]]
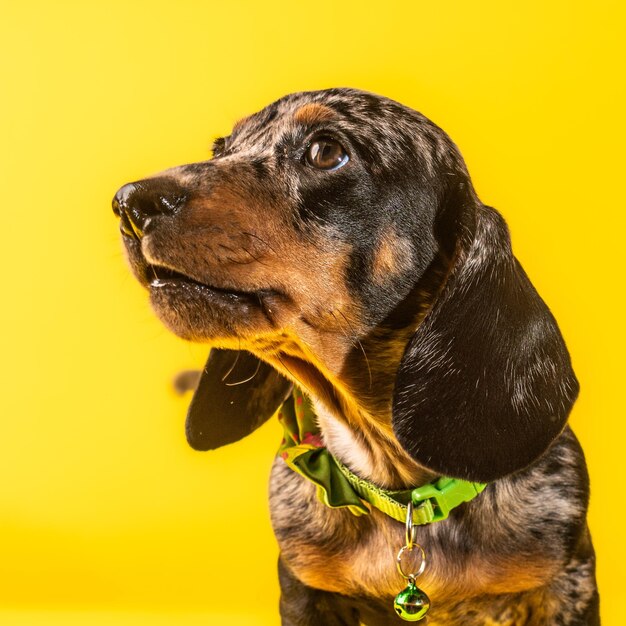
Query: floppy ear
[[485, 384], [236, 394]]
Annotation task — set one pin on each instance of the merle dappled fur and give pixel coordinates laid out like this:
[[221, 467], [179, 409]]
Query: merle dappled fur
[[390, 293]]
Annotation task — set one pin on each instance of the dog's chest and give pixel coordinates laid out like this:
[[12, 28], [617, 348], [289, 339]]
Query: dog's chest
[[333, 550]]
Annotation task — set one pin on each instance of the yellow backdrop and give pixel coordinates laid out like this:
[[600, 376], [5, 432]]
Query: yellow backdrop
[[106, 516]]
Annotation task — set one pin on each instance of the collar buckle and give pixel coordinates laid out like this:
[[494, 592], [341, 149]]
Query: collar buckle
[[434, 501]]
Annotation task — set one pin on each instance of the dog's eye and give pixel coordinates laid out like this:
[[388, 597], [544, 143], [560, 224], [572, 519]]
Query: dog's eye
[[326, 154]]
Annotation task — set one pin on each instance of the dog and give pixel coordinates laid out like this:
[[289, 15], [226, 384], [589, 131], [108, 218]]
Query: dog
[[334, 245]]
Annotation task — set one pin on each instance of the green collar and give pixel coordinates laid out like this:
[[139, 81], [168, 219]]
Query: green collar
[[304, 452]]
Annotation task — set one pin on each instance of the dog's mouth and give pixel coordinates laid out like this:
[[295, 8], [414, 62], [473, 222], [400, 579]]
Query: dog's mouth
[[159, 277], [200, 308]]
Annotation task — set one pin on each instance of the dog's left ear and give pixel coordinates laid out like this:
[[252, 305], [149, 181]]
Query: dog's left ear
[[485, 384], [236, 394]]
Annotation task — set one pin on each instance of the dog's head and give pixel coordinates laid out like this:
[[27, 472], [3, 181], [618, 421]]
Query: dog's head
[[336, 236]]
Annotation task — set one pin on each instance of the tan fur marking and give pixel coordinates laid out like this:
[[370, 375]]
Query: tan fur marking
[[371, 570], [497, 576], [312, 113], [393, 255]]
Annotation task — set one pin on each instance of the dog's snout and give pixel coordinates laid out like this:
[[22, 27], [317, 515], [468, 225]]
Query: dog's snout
[[136, 204]]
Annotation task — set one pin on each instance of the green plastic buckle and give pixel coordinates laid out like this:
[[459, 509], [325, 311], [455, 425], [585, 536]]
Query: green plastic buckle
[[433, 502]]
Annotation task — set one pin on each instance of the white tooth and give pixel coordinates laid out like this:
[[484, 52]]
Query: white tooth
[[157, 283]]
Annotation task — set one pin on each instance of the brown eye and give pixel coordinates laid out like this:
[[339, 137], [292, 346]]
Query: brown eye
[[326, 154]]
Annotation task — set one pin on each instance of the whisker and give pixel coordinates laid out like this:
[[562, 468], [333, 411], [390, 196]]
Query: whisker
[[343, 330], [262, 241], [252, 255], [292, 374], [232, 250], [241, 382], [367, 362], [236, 262], [232, 367]]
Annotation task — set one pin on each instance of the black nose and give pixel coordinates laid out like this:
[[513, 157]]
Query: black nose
[[136, 204]]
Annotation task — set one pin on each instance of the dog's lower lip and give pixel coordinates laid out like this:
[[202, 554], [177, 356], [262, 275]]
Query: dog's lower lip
[[161, 277]]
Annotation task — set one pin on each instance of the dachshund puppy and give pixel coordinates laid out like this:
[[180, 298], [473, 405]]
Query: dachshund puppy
[[335, 243]]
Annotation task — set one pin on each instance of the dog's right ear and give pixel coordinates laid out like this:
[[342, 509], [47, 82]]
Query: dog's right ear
[[236, 394]]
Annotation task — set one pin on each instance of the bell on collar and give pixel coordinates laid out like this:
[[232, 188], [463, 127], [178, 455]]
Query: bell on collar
[[411, 604]]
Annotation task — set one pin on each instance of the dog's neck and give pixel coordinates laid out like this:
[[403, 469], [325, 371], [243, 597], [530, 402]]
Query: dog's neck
[[352, 402]]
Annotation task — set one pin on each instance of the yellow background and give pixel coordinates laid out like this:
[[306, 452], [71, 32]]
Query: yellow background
[[106, 516]]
